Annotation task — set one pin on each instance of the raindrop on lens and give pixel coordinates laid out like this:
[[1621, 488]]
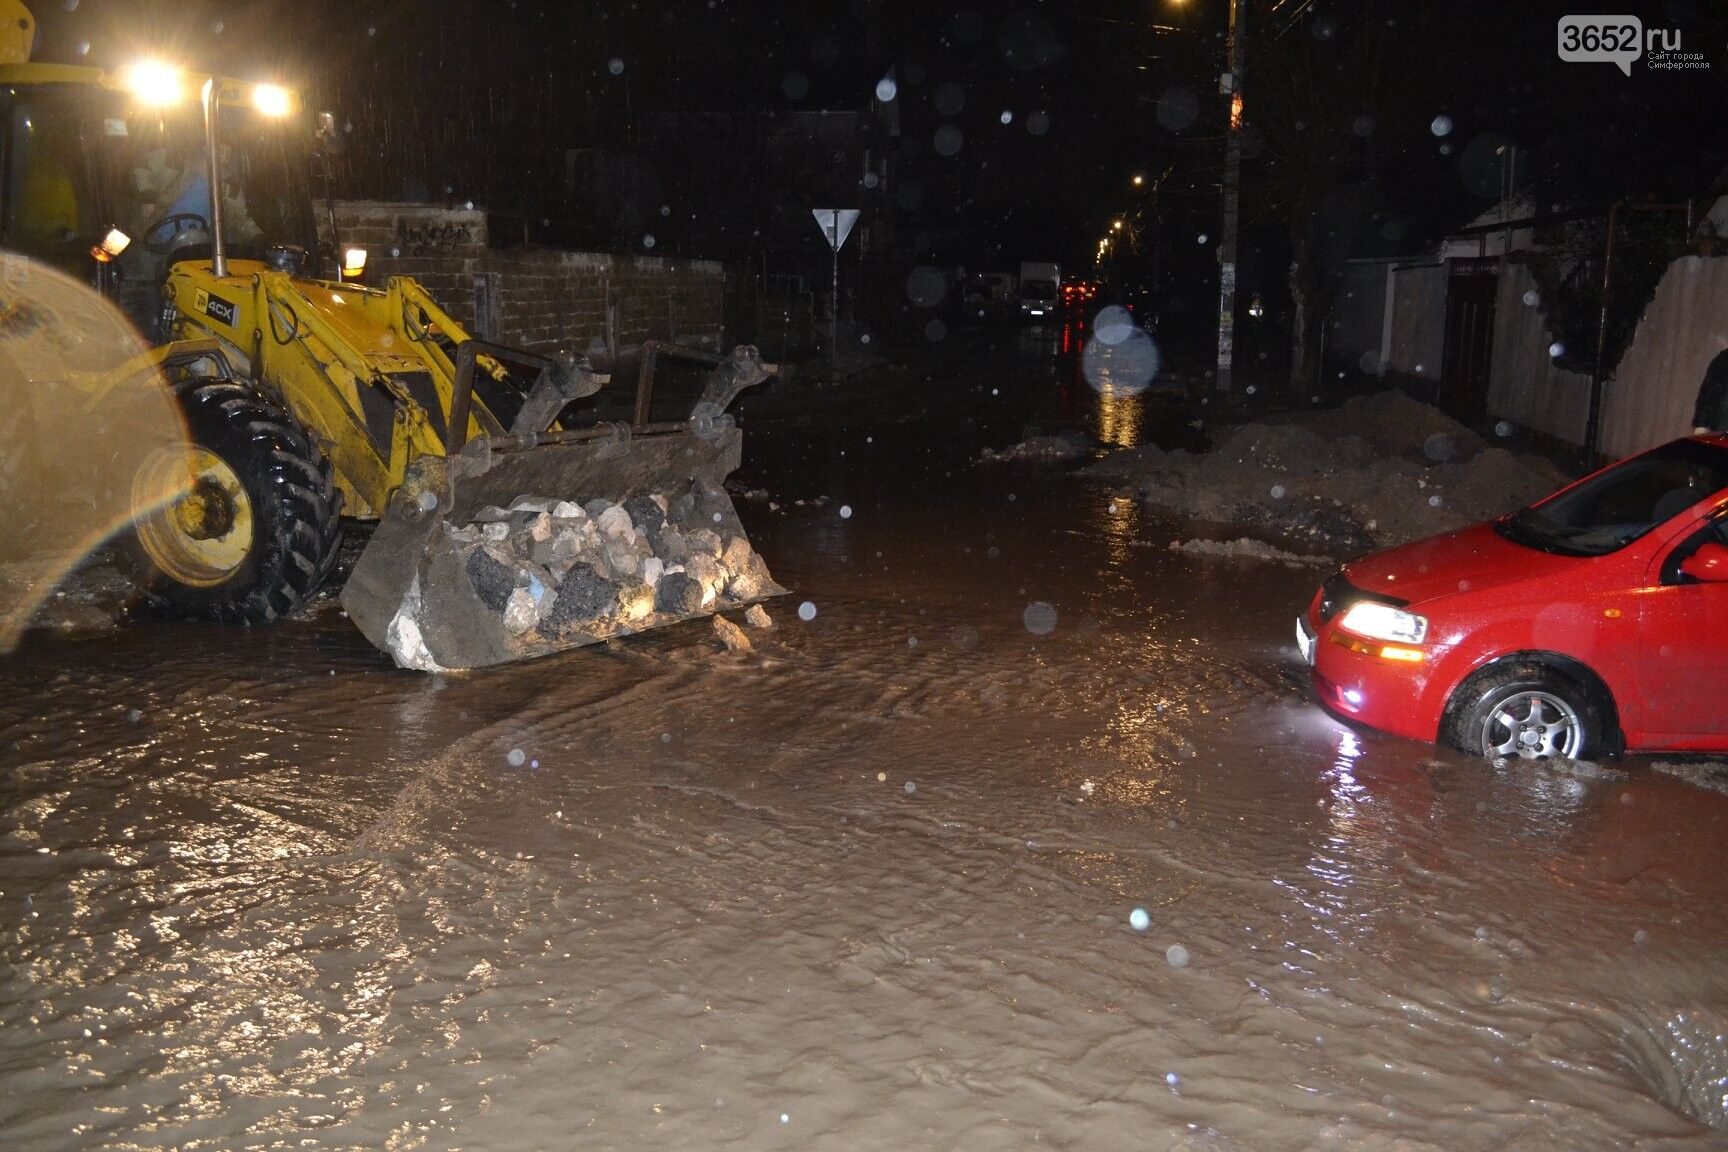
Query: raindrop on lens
[[1038, 123], [648, 240], [1007, 116], [845, 511], [1532, 298], [806, 611], [910, 788], [1442, 126], [1039, 618], [1277, 491], [516, 757], [1503, 429], [1171, 1079], [1434, 501], [1139, 920], [1556, 350], [1176, 956], [615, 66], [886, 89]]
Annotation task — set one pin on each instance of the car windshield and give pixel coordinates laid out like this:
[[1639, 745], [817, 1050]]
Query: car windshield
[[1621, 504]]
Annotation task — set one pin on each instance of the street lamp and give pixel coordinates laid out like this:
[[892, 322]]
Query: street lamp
[[1139, 180]]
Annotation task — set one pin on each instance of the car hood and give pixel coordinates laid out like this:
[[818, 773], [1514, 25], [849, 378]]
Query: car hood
[[1468, 561]]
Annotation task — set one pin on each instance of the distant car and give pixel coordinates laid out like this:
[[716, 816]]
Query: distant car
[[1592, 622]]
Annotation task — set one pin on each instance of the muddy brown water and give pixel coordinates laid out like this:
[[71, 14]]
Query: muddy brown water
[[869, 886]]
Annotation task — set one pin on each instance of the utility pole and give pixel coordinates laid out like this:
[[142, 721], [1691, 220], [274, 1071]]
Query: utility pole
[[1231, 84]]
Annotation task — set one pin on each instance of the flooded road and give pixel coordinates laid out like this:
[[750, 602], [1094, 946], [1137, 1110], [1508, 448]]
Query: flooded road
[[870, 886]]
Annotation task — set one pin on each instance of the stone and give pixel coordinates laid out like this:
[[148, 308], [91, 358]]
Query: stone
[[498, 530], [582, 598], [706, 571], [568, 510], [622, 557], [467, 534], [736, 553], [678, 595], [563, 547], [595, 507], [614, 521], [491, 514], [520, 612], [647, 513], [636, 601], [652, 570], [530, 504], [730, 635], [705, 540], [742, 588], [540, 528], [493, 581], [757, 617]]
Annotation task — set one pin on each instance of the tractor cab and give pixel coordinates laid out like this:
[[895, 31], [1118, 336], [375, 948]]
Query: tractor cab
[[106, 177]]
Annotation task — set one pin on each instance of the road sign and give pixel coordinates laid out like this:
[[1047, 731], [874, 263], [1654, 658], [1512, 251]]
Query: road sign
[[836, 224]]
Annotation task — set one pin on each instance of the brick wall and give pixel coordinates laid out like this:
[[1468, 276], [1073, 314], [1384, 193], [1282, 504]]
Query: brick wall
[[537, 298]]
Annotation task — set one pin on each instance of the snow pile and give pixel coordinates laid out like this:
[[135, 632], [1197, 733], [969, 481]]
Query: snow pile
[[1381, 470], [1063, 446]]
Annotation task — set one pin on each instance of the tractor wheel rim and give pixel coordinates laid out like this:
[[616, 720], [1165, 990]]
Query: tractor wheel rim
[[195, 519], [1533, 725]]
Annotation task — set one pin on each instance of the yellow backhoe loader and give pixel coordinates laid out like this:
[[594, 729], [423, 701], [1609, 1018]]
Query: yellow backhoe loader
[[508, 524]]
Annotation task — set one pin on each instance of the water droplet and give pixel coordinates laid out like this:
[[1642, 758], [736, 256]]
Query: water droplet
[[1640, 937], [881, 777], [1172, 1079], [1139, 920], [1203, 238], [1435, 501], [615, 66], [1007, 116], [648, 240], [1277, 491], [806, 611], [1038, 123], [948, 140], [845, 511], [1176, 956], [1556, 350], [1532, 298], [886, 89], [1039, 618], [516, 757], [1441, 126], [785, 1119], [910, 788]]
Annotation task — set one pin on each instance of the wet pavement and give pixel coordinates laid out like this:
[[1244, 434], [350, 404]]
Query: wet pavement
[[870, 886]]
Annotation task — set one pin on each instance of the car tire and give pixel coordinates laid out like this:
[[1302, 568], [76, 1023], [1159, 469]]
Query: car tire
[[1527, 710]]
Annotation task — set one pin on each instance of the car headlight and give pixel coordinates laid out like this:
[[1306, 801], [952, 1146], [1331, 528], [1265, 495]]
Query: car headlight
[[1383, 622]]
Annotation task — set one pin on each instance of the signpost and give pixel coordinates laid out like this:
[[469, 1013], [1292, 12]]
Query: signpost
[[836, 225]]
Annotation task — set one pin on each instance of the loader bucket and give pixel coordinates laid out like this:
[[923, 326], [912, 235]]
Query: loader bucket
[[522, 545]]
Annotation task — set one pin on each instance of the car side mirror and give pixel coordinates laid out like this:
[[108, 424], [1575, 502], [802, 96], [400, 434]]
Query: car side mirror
[[1708, 565]]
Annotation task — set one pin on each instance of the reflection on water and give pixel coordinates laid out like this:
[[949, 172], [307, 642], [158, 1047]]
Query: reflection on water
[[1119, 416]]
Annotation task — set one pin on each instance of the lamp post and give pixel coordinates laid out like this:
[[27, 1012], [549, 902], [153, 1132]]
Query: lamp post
[[1231, 84]]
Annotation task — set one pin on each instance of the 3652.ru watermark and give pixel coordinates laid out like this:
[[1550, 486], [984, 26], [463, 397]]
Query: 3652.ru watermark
[[1623, 41]]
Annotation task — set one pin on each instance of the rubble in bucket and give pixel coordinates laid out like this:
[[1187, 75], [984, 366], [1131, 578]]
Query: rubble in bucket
[[553, 573]]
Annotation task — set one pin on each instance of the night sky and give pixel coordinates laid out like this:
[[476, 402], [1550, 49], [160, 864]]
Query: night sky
[[1056, 106]]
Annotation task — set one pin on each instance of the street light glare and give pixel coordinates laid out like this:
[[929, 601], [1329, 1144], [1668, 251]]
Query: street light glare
[[1139, 180]]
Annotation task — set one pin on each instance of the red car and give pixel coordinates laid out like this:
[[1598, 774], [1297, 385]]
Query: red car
[[1591, 623]]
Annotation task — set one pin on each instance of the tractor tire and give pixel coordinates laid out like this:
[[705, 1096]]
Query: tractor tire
[[257, 532]]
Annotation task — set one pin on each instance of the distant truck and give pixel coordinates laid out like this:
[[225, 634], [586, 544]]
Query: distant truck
[[1040, 290]]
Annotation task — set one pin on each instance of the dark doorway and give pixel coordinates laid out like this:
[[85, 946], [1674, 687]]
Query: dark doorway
[[1470, 289]]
